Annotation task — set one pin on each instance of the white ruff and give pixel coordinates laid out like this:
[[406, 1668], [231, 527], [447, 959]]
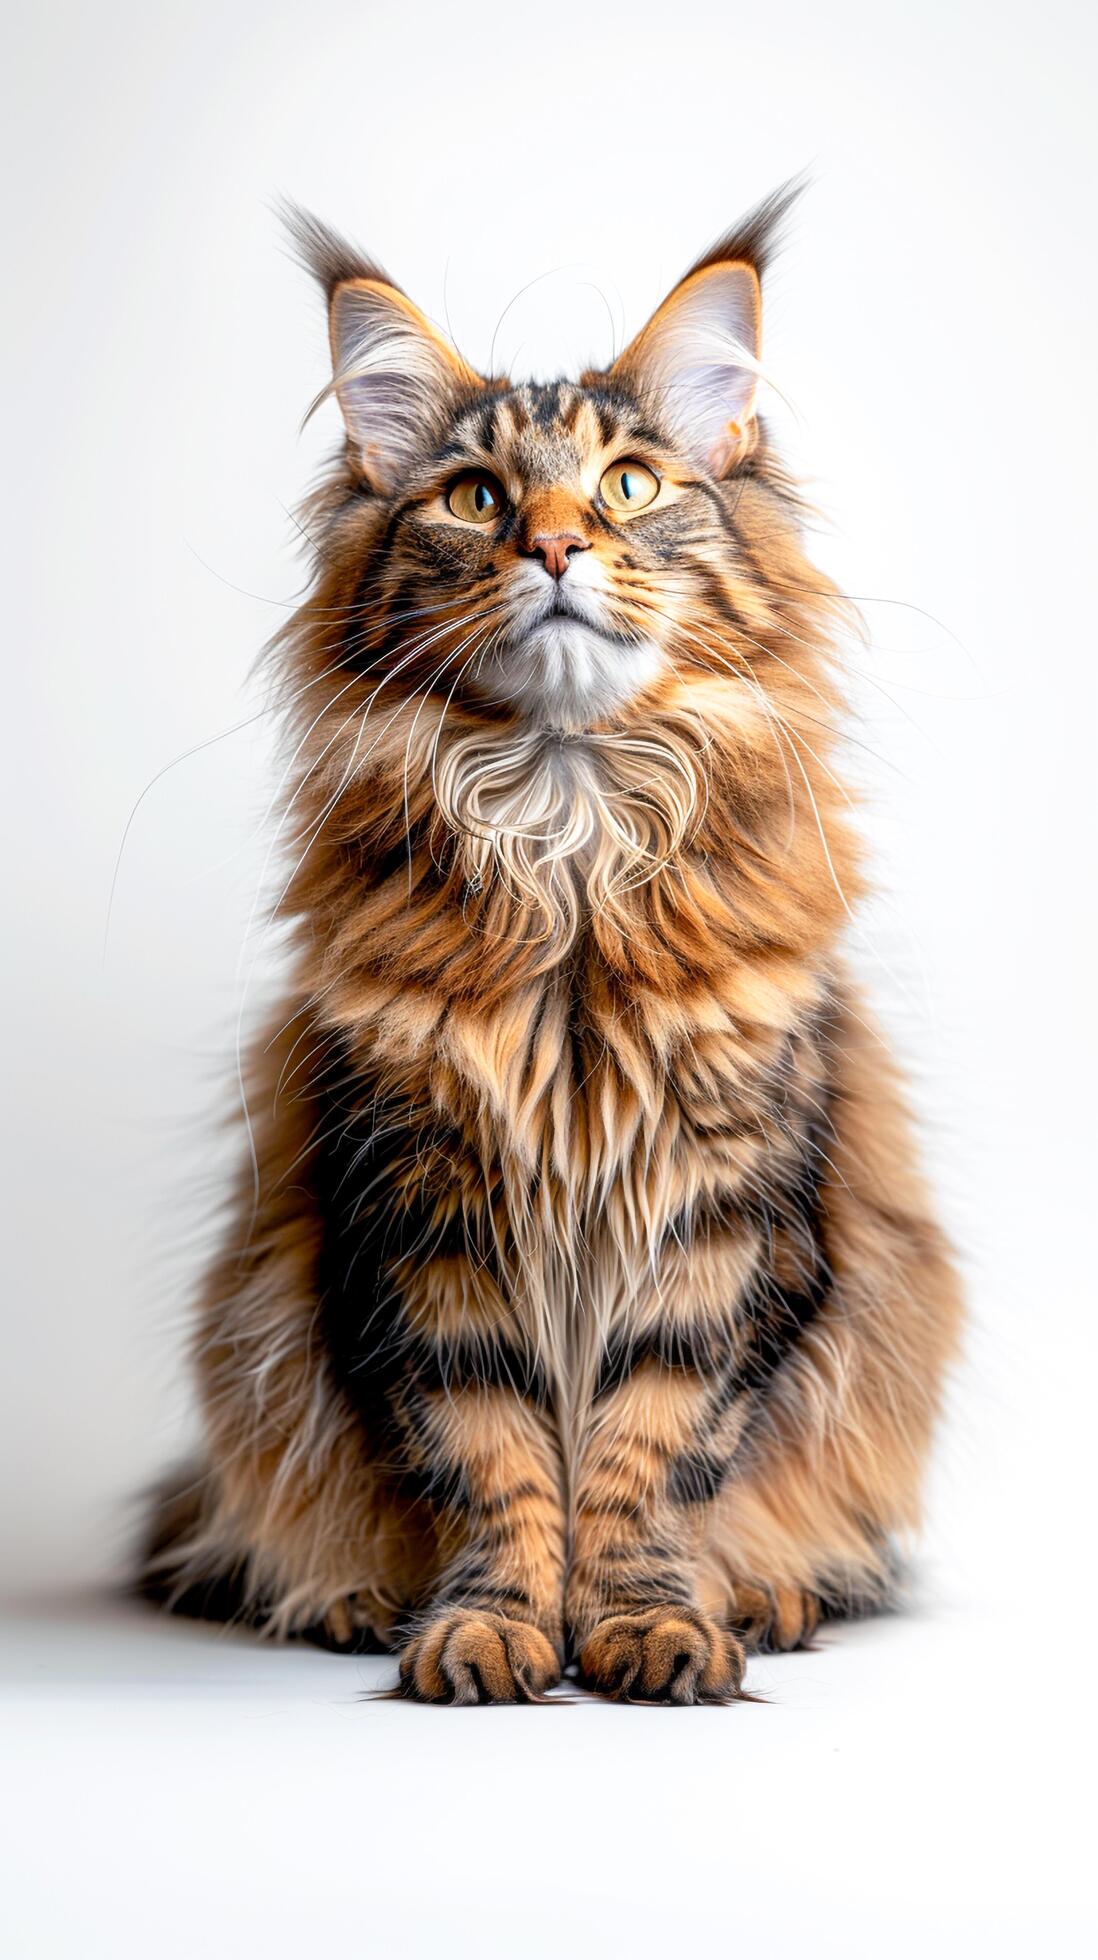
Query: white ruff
[[568, 821]]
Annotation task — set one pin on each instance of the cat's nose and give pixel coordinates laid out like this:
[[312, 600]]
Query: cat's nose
[[555, 552]]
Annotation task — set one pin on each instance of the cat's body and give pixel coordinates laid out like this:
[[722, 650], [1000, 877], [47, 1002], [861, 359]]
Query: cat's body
[[585, 1298]]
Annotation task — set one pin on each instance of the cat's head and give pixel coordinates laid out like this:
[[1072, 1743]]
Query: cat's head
[[562, 636], [553, 550]]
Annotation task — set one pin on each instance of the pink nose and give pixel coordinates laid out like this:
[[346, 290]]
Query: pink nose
[[555, 552]]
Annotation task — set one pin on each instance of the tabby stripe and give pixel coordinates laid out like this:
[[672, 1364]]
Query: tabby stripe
[[696, 1477], [446, 1364], [695, 1351]]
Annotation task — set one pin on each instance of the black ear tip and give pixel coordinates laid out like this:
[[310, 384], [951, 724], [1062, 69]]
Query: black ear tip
[[757, 238], [324, 252]]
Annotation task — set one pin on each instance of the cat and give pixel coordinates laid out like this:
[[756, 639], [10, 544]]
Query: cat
[[582, 1302]]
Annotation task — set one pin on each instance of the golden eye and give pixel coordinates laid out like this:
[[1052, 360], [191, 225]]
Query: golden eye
[[475, 499], [629, 486]]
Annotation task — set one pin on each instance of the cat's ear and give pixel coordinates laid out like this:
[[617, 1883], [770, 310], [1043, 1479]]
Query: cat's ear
[[699, 354], [394, 374]]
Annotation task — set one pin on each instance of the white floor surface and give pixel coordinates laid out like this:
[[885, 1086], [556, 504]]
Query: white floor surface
[[175, 1791]]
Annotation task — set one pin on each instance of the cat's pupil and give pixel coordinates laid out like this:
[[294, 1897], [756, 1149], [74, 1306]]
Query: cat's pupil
[[482, 497], [627, 485]]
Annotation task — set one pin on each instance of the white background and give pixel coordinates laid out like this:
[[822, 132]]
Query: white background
[[932, 324]]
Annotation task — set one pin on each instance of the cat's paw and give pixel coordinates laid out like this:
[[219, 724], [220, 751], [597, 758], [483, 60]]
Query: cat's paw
[[348, 1627], [470, 1655], [662, 1653], [774, 1619]]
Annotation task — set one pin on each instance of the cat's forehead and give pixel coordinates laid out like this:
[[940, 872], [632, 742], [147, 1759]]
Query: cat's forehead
[[545, 431]]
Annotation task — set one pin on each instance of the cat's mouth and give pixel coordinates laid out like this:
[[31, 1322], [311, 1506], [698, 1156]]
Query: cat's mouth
[[565, 670], [562, 617], [563, 610], [559, 608]]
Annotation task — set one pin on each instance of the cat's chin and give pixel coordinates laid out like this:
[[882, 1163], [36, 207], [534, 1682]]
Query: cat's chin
[[565, 673]]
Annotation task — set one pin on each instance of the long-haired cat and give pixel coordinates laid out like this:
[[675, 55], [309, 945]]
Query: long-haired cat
[[581, 1299]]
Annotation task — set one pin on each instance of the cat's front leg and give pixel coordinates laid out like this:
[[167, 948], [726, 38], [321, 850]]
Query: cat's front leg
[[636, 1624], [493, 1630], [454, 1407]]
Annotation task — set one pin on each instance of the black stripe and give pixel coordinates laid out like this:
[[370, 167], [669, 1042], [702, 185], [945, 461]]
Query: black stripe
[[688, 1350], [487, 429], [358, 1172], [447, 1364], [776, 1314], [696, 1477], [389, 1374], [781, 1312], [545, 406]]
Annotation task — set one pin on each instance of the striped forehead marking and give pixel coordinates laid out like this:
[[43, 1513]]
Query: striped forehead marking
[[543, 431]]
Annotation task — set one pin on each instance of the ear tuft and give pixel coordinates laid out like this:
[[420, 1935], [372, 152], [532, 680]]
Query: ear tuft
[[757, 238], [325, 253]]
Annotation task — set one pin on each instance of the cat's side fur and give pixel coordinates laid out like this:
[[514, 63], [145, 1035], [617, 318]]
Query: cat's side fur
[[585, 1299]]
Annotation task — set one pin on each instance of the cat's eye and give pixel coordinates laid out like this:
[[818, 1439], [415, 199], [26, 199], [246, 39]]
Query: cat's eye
[[475, 498], [629, 486]]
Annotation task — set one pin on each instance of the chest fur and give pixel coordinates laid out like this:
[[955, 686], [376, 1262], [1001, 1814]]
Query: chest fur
[[580, 1147]]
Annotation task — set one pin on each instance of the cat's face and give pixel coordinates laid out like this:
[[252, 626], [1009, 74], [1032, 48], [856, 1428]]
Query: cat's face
[[568, 530], [544, 548]]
